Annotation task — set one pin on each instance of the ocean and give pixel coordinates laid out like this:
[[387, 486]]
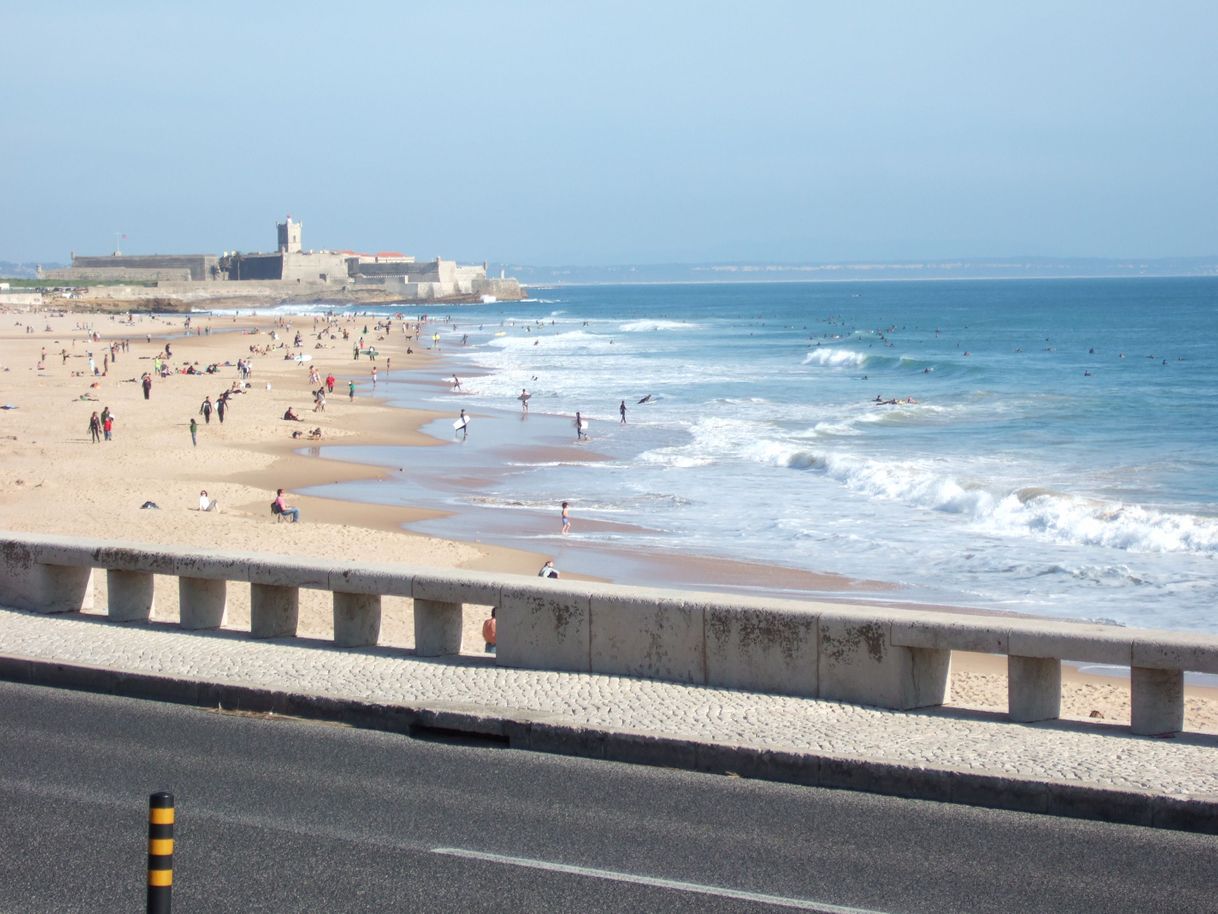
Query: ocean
[[1045, 447]]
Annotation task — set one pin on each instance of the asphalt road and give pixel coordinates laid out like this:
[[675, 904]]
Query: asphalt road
[[282, 815]]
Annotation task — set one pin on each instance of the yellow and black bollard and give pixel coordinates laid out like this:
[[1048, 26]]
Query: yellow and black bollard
[[160, 852]]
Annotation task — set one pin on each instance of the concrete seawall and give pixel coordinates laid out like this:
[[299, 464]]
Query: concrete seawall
[[865, 655]]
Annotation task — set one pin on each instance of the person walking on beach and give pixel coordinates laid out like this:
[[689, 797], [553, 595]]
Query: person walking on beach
[[374, 377], [622, 409], [286, 509], [581, 427], [95, 428], [221, 405], [524, 399], [205, 410], [566, 519], [147, 385], [351, 390], [194, 432], [330, 382], [107, 423]]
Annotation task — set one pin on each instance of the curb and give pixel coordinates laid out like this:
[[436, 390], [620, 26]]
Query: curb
[[541, 734]]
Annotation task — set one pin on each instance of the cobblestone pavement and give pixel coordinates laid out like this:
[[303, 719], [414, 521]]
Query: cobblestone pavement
[[1094, 754]]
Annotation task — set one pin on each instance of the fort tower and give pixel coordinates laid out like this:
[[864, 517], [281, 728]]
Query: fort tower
[[289, 236]]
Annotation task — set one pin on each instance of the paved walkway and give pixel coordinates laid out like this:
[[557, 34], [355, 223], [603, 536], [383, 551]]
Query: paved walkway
[[1089, 754]]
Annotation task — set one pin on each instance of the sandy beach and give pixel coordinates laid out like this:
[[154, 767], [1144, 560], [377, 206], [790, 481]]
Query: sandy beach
[[56, 479]]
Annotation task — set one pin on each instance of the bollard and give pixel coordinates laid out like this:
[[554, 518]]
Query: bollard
[[160, 852]]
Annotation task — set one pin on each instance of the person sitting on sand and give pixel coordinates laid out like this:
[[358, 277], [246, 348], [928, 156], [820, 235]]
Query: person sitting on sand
[[289, 415], [207, 504]]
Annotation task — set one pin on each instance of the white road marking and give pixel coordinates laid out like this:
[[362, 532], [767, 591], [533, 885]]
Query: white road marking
[[781, 901]]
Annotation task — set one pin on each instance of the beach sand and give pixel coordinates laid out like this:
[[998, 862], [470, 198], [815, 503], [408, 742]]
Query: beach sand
[[56, 480]]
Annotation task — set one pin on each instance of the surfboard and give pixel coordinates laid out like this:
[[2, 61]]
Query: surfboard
[[461, 423]]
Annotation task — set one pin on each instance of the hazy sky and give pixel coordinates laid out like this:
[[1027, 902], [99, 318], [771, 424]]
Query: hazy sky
[[595, 133]]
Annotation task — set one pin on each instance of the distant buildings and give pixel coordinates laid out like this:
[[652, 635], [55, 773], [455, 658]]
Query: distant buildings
[[294, 269]]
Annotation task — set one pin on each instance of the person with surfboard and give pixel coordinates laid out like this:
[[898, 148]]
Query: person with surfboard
[[462, 424]]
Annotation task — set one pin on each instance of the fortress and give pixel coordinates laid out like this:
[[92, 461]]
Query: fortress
[[289, 273]]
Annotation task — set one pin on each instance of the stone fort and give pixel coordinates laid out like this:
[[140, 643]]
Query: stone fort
[[386, 272]]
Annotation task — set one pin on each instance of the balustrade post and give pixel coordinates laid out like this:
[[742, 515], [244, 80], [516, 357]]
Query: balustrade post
[[129, 595], [357, 619], [1034, 688], [201, 602], [1156, 701], [274, 611], [437, 627]]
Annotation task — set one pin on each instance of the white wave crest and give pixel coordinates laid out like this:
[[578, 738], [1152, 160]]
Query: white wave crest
[[836, 358], [1060, 518], [648, 325]]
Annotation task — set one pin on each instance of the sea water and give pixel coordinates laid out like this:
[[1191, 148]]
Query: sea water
[[1052, 447]]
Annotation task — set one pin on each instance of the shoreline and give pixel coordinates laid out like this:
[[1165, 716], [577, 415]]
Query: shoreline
[[99, 487]]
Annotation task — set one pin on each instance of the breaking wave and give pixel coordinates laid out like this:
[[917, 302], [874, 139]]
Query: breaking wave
[[1039, 512], [836, 358]]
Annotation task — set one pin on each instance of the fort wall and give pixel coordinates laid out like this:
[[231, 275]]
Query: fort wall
[[201, 266]]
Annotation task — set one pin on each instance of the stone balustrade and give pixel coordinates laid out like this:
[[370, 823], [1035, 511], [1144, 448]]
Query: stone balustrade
[[876, 656]]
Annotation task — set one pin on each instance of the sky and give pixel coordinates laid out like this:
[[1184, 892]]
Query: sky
[[609, 133]]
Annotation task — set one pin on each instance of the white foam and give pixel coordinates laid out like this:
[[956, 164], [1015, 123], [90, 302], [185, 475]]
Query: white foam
[[1060, 518], [836, 358], [642, 326]]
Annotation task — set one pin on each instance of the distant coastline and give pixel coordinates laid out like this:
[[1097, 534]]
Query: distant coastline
[[989, 268]]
